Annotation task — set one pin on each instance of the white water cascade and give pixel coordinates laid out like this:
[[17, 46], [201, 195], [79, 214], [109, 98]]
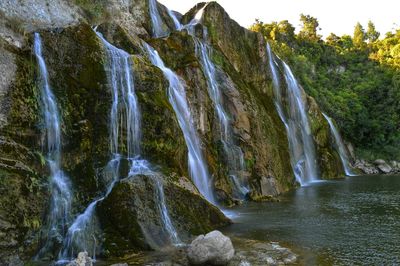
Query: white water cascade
[[156, 20], [340, 147], [233, 153], [159, 29], [295, 118], [60, 187], [177, 98], [125, 137]]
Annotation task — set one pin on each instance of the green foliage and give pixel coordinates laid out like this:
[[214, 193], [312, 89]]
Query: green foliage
[[309, 29], [355, 82], [372, 34], [359, 35]]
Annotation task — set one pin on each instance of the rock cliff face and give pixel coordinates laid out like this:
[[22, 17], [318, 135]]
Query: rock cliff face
[[75, 59]]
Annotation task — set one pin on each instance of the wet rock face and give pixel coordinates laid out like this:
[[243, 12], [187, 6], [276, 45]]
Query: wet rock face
[[256, 126], [213, 248], [8, 68], [329, 163], [74, 57]]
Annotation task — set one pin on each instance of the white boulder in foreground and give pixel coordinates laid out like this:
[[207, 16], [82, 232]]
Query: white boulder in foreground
[[212, 249], [83, 259]]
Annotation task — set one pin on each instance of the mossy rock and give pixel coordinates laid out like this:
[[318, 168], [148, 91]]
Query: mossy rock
[[75, 60], [328, 159], [131, 219]]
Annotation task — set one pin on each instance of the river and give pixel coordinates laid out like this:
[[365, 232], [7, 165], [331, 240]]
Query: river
[[351, 221]]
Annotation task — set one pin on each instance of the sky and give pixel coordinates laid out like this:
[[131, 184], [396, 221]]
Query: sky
[[337, 16]]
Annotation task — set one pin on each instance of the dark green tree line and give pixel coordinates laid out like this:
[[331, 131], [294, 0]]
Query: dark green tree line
[[355, 79]]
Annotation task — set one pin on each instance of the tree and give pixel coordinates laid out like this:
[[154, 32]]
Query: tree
[[286, 31], [332, 39], [372, 34], [359, 35], [346, 42], [309, 28], [258, 26]]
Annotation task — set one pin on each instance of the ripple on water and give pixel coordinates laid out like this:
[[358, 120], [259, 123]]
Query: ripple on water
[[354, 221]]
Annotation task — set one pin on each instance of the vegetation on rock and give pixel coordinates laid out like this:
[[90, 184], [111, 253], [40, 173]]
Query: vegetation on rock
[[355, 79]]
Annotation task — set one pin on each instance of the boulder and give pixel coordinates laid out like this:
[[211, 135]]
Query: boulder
[[395, 164], [212, 249], [83, 259], [366, 167], [383, 166]]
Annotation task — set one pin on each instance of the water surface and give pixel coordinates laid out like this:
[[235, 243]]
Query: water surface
[[353, 221]]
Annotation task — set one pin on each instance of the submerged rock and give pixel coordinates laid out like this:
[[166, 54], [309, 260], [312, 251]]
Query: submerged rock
[[83, 259], [256, 253], [213, 248]]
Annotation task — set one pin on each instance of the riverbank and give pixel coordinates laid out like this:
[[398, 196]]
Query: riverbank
[[378, 166]]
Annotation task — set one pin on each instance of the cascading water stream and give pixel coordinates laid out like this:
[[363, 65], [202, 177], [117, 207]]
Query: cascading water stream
[[158, 30], [195, 20], [124, 121], [177, 24], [157, 22], [340, 147], [177, 98], [233, 153], [301, 143], [60, 188], [276, 86]]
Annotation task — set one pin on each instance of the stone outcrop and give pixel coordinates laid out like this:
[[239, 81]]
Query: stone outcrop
[[39, 14], [131, 218]]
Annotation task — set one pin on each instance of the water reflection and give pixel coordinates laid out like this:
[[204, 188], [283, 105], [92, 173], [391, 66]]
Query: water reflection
[[356, 220]]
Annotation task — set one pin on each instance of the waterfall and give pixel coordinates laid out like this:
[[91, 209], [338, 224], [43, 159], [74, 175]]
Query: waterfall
[[301, 144], [177, 98], [168, 225], [178, 25], [233, 153], [340, 147], [124, 138], [142, 167], [158, 30], [157, 22], [60, 187]]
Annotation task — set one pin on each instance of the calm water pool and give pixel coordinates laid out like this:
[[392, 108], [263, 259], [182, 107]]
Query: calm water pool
[[353, 221]]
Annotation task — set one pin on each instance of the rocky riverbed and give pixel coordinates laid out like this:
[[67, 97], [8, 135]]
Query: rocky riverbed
[[211, 249]]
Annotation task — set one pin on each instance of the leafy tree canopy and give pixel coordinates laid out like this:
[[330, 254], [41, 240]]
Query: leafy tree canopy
[[355, 79]]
